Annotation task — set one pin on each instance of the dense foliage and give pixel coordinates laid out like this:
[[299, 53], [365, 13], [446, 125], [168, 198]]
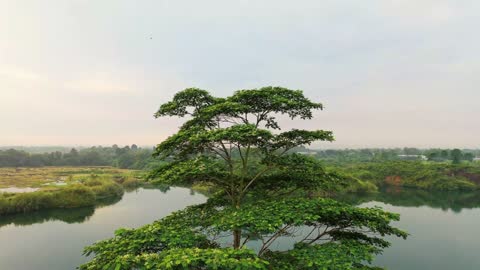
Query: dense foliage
[[422, 175], [186, 239], [264, 194]]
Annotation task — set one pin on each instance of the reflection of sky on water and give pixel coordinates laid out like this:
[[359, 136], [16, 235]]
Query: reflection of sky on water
[[439, 239], [58, 245]]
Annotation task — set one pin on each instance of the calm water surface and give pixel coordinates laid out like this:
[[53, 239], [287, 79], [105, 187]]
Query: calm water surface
[[444, 230], [54, 240], [443, 226], [440, 239]]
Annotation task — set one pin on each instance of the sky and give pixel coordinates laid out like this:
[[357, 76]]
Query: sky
[[391, 73]]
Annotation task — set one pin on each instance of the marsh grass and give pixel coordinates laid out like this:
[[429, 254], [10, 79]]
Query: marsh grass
[[87, 186], [37, 177]]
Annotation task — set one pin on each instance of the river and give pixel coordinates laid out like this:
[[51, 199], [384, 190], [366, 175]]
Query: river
[[443, 227], [54, 240]]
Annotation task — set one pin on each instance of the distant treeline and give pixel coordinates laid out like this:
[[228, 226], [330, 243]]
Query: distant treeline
[[134, 157], [372, 155], [128, 157]]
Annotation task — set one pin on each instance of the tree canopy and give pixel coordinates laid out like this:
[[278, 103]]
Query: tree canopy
[[265, 193]]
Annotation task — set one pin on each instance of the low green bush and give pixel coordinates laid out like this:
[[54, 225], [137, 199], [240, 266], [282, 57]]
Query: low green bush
[[131, 182], [25, 202], [73, 196], [107, 190]]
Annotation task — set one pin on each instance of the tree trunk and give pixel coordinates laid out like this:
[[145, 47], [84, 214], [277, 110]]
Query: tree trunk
[[237, 237], [237, 234]]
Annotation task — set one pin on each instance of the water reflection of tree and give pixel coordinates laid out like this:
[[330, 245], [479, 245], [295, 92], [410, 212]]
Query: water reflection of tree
[[77, 215], [454, 200], [148, 186], [72, 215]]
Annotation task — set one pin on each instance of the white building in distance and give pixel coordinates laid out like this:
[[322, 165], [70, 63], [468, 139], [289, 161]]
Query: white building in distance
[[413, 157]]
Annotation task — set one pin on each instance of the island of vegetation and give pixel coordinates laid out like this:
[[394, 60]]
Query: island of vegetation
[[61, 187]]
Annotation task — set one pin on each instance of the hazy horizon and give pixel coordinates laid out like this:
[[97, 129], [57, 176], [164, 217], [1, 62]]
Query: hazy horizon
[[392, 73], [5, 147]]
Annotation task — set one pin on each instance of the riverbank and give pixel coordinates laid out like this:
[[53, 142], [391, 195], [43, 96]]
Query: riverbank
[[62, 187], [369, 177]]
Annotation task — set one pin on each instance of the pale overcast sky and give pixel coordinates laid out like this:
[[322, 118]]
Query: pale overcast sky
[[92, 72]]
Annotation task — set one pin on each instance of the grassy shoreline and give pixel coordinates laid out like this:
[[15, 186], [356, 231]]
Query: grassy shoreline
[[80, 187]]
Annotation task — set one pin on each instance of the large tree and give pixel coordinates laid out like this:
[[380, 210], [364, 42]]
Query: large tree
[[265, 194], [456, 155]]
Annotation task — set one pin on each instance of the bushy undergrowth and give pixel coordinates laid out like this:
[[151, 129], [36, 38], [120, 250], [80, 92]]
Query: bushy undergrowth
[[129, 182], [422, 175]]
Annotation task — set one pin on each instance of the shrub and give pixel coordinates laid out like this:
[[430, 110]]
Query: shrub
[[131, 182]]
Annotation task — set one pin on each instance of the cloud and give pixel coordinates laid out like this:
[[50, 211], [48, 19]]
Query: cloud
[[390, 72]]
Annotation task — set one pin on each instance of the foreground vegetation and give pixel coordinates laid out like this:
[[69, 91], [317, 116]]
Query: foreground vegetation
[[60, 187], [262, 194]]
